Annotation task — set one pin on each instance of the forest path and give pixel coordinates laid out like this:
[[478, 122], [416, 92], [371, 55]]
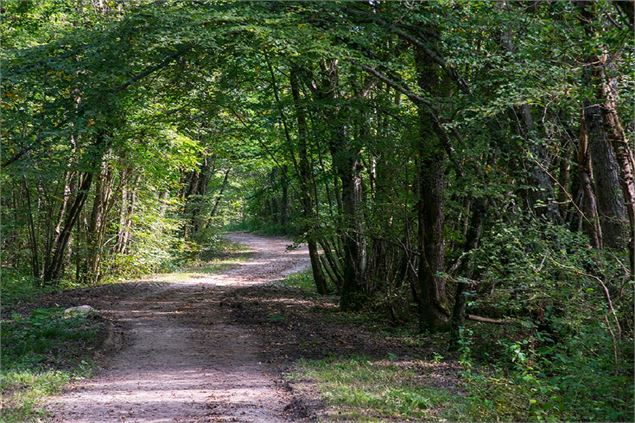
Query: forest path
[[185, 361]]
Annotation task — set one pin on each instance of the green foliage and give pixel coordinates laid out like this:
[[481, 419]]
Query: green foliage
[[566, 356], [40, 354], [17, 289]]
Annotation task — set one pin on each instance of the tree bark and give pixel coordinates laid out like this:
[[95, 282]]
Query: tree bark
[[433, 308], [128, 200], [472, 239], [53, 270], [35, 260], [610, 154], [611, 207], [590, 219], [55, 260], [97, 225], [304, 168]]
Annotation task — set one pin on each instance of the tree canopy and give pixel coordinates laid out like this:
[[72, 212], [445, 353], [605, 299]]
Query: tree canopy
[[443, 160]]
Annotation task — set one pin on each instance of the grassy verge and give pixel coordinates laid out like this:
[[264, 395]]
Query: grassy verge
[[366, 388], [40, 354], [362, 389], [302, 281]]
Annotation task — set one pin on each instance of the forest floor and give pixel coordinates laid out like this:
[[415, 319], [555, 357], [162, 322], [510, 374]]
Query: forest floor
[[239, 345]]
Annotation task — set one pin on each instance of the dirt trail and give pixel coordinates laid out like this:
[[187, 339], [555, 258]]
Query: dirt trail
[[184, 360]]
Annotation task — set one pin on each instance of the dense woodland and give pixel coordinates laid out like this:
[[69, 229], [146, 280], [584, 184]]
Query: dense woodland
[[444, 161]]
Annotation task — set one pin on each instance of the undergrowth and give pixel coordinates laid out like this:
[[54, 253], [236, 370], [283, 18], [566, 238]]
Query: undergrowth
[[514, 372], [40, 354]]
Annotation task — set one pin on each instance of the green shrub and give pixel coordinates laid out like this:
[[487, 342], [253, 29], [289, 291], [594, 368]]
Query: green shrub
[[565, 355]]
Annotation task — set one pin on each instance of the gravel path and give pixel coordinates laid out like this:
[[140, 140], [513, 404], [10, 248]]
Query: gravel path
[[184, 360]]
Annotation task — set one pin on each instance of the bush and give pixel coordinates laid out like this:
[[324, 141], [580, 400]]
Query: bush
[[565, 356]]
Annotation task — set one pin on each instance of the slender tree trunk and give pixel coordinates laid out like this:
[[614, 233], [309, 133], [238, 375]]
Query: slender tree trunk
[[53, 236], [305, 175], [97, 225], [35, 260], [53, 270], [220, 194], [590, 219], [128, 200], [541, 199], [284, 198], [472, 238], [55, 260]]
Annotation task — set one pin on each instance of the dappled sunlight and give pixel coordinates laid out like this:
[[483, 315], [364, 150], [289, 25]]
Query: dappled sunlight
[[151, 395], [182, 360]]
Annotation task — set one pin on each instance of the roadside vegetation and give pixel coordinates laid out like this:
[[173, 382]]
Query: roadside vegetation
[[516, 383], [41, 353]]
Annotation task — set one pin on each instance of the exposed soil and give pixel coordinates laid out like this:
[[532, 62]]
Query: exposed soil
[[184, 358]]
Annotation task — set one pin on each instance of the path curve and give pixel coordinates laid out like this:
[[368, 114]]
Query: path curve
[[184, 360]]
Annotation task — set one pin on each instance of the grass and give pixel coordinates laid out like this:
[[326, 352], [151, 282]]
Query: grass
[[18, 289], [40, 354], [361, 389], [302, 281]]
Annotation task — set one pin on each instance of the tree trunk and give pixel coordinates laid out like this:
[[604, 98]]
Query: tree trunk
[[284, 198], [305, 175], [97, 226], [35, 261], [128, 200], [53, 270], [433, 309], [590, 218], [624, 156], [347, 167], [220, 195], [472, 238], [541, 198], [55, 260], [606, 142], [611, 208]]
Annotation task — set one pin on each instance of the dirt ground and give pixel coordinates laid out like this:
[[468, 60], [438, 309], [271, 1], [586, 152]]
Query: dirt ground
[[184, 359]]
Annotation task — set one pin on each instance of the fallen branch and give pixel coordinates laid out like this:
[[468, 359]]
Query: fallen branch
[[488, 319]]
